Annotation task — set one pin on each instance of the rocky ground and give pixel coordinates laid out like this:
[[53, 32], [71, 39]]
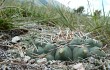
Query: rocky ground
[[13, 51]]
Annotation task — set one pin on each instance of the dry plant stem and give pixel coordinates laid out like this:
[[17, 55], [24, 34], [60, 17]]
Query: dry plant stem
[[104, 47], [62, 36], [59, 46], [67, 33], [40, 56], [34, 45], [19, 48], [99, 66]]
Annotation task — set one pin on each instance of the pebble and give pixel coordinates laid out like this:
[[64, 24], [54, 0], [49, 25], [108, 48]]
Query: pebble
[[16, 39]]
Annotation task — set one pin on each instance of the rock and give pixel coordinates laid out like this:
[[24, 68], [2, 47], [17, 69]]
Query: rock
[[26, 58], [16, 39], [42, 61], [79, 66], [32, 61]]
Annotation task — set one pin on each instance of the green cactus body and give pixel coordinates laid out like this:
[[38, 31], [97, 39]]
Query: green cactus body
[[91, 43], [80, 52], [63, 53], [40, 43], [29, 52], [97, 51], [48, 47], [50, 56], [39, 50], [98, 43], [78, 48], [75, 41]]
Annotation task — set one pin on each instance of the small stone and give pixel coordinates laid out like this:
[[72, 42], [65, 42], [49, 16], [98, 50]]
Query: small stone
[[42, 61], [16, 39], [79, 66], [32, 61], [26, 58]]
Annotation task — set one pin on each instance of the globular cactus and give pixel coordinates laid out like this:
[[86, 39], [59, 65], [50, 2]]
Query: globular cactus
[[50, 56], [97, 51], [77, 48], [38, 50], [80, 52], [76, 41], [40, 43], [92, 42], [39, 47], [63, 53], [49, 47]]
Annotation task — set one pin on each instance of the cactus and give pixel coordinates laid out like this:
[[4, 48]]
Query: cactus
[[48, 47], [78, 48], [29, 52], [97, 51], [80, 52], [50, 56], [92, 42], [39, 50], [75, 41], [63, 53], [40, 43]]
